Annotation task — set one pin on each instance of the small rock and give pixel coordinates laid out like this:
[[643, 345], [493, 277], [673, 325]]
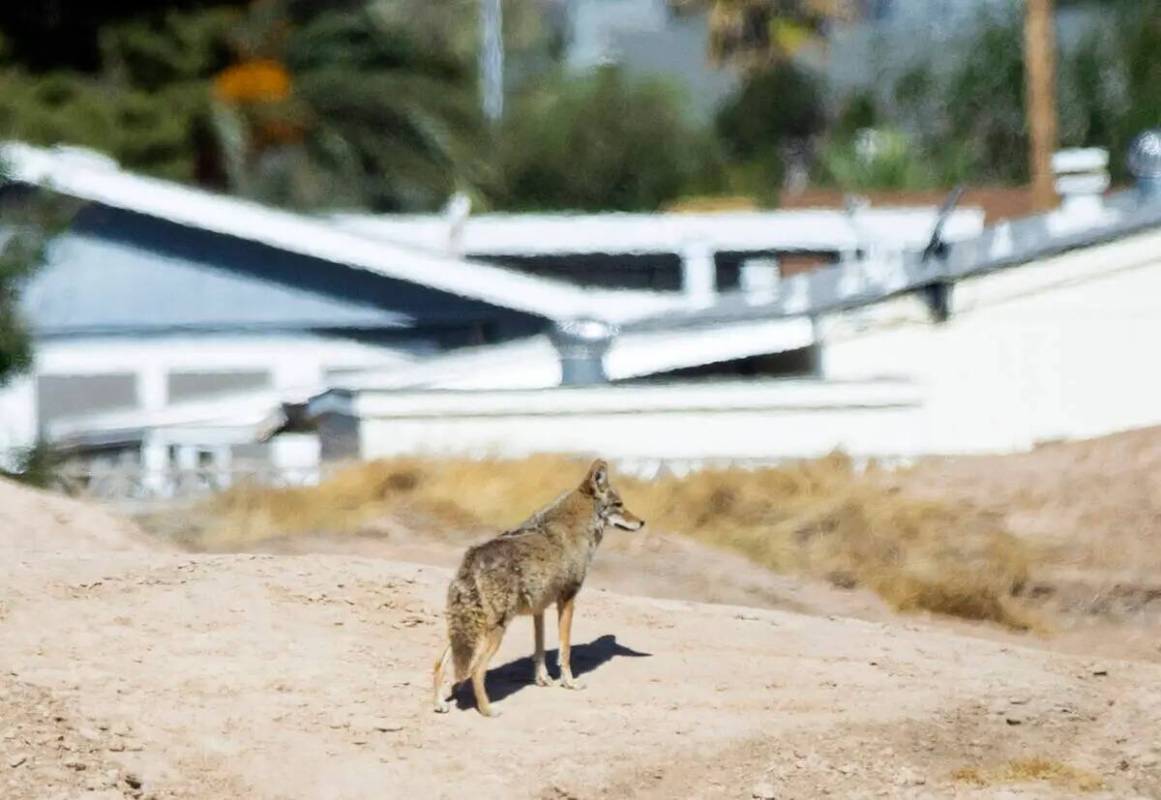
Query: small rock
[[1100, 672], [121, 729], [117, 746], [73, 764], [381, 725], [906, 777], [134, 780], [1012, 719], [764, 791], [16, 760], [1149, 760], [1018, 701]]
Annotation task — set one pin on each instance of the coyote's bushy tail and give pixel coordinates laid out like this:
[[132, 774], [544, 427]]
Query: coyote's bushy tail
[[462, 652], [465, 626]]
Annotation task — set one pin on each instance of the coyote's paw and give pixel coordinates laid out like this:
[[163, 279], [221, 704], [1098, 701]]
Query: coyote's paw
[[442, 706], [544, 679], [573, 683]]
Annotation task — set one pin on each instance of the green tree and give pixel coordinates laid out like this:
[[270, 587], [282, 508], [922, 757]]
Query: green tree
[[370, 112], [143, 103], [1112, 85], [21, 248], [600, 142], [970, 122], [775, 113]]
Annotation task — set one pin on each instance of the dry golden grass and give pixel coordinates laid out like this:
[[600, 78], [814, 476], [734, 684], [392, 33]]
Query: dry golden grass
[[1027, 770], [818, 518]]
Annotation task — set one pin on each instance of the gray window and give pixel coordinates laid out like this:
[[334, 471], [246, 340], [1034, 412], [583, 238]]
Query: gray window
[[60, 396], [198, 385]]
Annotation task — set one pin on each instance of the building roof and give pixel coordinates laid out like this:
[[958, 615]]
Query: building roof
[[533, 363], [252, 413], [111, 274], [803, 230], [94, 178], [869, 281]]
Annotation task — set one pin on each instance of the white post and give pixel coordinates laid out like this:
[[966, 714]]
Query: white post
[[152, 392], [492, 58], [155, 465], [223, 456], [698, 274], [759, 279]]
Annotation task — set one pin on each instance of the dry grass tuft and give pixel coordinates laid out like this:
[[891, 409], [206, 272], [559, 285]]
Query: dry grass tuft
[[819, 518], [1027, 770]]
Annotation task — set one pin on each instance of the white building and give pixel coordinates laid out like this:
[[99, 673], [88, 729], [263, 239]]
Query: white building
[[1038, 329], [172, 325]]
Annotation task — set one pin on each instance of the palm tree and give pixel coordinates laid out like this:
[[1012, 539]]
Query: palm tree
[[756, 34], [345, 107]]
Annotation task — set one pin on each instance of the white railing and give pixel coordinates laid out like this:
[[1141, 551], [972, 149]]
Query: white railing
[[133, 483]]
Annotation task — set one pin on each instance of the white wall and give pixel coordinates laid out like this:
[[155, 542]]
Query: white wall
[[1063, 348], [295, 363], [1059, 349], [738, 420]]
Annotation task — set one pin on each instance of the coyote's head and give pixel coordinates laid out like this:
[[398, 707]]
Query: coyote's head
[[610, 508]]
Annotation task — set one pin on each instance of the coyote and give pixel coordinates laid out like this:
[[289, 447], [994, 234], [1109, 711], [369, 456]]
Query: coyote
[[523, 571]]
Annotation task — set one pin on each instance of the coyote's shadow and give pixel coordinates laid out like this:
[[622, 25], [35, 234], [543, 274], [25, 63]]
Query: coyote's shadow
[[510, 678]]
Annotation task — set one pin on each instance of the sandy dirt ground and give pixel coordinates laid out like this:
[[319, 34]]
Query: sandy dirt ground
[[259, 676], [128, 670]]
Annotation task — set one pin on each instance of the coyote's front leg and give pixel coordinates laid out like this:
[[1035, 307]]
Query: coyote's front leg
[[564, 609]]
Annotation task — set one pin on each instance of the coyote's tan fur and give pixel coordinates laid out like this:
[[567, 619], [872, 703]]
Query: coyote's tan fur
[[523, 571]]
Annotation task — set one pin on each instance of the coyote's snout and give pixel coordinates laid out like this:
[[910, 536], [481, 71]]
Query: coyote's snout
[[523, 571]]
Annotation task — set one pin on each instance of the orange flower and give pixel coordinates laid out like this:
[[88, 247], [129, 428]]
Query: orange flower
[[259, 81]]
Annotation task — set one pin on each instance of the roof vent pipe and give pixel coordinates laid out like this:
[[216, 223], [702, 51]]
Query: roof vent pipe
[[581, 345], [1144, 163]]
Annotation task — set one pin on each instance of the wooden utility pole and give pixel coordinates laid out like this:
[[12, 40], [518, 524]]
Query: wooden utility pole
[[1040, 75]]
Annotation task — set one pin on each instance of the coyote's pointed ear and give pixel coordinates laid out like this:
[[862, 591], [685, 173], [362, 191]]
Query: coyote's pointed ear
[[597, 479]]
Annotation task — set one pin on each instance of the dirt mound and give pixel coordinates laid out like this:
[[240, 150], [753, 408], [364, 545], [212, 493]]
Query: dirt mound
[[1095, 503], [820, 519], [240, 676], [651, 564], [32, 521]]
